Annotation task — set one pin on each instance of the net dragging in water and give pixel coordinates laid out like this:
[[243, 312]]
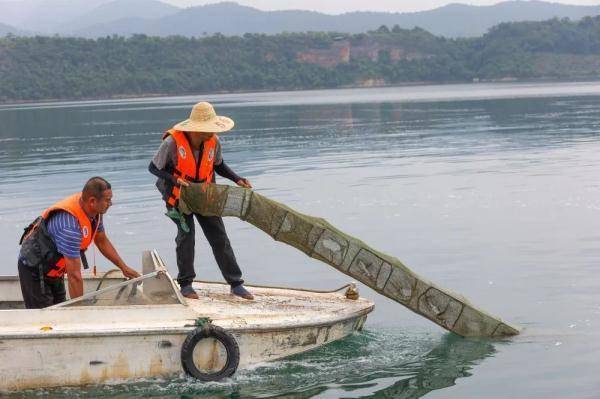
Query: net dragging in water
[[322, 241]]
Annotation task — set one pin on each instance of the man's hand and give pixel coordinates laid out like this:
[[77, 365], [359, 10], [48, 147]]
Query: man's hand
[[183, 182], [244, 183], [129, 272], [106, 248]]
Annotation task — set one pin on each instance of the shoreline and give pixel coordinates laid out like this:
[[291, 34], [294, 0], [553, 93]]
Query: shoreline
[[273, 90], [280, 90]]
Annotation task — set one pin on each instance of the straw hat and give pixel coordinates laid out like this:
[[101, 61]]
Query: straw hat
[[203, 119]]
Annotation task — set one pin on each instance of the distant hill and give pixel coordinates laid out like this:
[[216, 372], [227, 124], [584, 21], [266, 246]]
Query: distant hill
[[460, 20], [98, 18], [226, 18], [121, 11], [44, 16], [51, 17], [6, 29], [454, 20]]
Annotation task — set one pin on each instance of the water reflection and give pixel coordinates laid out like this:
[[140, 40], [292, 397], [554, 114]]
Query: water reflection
[[46, 139], [382, 364], [453, 358]]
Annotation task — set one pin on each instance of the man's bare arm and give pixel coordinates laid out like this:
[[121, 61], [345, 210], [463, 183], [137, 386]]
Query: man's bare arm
[[73, 266], [109, 251]]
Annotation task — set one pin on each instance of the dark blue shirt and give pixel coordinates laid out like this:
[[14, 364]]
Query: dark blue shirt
[[65, 231]]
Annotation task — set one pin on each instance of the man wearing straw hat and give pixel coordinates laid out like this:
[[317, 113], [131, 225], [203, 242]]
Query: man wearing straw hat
[[191, 152]]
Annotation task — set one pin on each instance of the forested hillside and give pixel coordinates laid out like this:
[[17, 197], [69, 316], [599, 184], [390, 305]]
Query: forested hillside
[[59, 68]]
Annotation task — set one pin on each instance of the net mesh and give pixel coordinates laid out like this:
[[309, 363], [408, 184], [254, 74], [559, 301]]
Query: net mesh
[[320, 240]]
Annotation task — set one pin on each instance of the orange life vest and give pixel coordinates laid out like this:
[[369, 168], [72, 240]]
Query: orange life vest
[[188, 167], [72, 205]]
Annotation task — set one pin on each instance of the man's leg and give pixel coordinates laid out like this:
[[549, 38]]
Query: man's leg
[[31, 290], [185, 243], [215, 233]]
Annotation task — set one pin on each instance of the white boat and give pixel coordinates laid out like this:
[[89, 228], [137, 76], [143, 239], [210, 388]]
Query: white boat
[[127, 329]]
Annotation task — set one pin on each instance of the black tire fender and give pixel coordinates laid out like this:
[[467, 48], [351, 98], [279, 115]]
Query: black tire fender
[[225, 338]]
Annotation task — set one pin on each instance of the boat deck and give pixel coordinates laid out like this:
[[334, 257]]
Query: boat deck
[[274, 307]]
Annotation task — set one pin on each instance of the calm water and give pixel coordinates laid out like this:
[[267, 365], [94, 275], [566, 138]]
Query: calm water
[[490, 190]]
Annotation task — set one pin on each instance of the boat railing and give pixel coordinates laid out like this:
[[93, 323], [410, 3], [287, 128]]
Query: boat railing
[[155, 288]]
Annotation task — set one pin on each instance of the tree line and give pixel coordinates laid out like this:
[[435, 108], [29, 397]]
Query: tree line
[[36, 68]]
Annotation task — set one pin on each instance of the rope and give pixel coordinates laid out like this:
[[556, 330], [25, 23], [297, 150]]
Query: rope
[[94, 256], [345, 286], [283, 288], [104, 277]]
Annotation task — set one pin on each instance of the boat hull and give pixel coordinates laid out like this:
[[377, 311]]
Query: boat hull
[[119, 356], [125, 330], [138, 328]]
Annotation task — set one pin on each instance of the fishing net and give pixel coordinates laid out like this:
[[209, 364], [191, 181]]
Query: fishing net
[[320, 240]]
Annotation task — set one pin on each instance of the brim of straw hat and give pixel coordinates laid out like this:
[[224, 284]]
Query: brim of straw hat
[[219, 124]]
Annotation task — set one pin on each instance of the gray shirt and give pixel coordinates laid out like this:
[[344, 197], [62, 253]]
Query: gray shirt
[[167, 154]]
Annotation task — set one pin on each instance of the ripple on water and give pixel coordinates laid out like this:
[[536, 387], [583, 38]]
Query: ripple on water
[[388, 362]]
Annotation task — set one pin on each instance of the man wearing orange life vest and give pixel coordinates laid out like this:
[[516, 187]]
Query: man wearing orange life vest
[[54, 245], [191, 152]]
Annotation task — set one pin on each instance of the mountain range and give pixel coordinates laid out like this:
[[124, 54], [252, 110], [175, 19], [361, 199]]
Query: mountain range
[[99, 18], [6, 29]]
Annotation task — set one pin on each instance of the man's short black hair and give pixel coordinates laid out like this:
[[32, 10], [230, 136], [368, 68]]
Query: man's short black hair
[[95, 187]]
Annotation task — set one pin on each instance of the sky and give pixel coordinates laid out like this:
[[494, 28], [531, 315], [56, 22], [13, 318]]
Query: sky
[[340, 6]]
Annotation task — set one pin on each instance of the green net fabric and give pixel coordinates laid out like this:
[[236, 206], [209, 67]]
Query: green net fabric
[[320, 240]]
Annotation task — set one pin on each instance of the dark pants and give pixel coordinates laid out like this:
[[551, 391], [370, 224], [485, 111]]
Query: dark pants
[[214, 231], [34, 298]]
